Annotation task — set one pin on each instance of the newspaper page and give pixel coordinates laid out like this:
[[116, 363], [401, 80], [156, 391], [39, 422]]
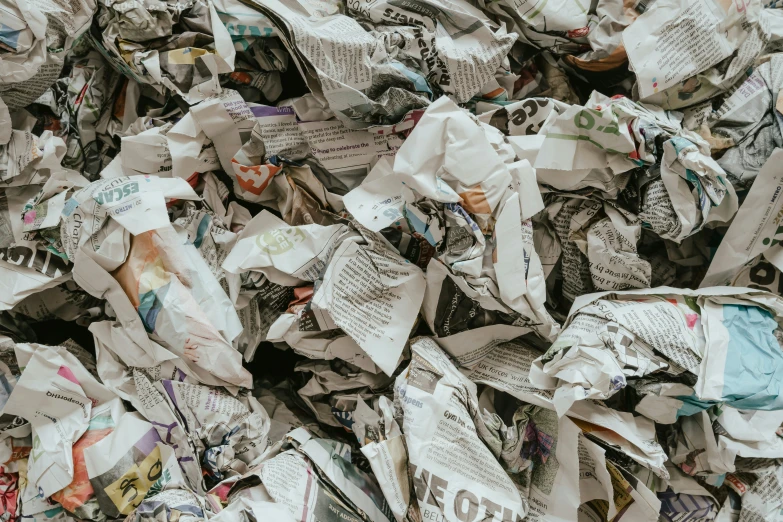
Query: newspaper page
[[761, 274], [65, 301], [184, 306], [304, 480], [25, 271], [248, 509], [755, 231], [234, 436], [613, 253], [384, 446], [455, 475], [677, 39], [595, 482], [441, 161], [227, 120], [130, 464], [153, 403], [285, 255], [134, 203], [731, 353], [79, 497], [638, 330], [515, 254], [549, 476], [315, 335], [63, 395], [468, 322], [635, 333], [279, 130], [213, 359], [36, 35], [347, 153], [359, 488], [458, 44], [585, 137], [508, 367], [374, 295], [760, 491], [146, 153], [745, 126]]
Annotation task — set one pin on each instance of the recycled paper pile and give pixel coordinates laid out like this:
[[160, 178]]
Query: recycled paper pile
[[391, 260]]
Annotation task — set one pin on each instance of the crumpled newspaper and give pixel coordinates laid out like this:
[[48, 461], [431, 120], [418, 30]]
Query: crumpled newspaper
[[380, 261]]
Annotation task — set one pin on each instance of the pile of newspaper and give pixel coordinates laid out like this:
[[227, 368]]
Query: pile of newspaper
[[391, 260]]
